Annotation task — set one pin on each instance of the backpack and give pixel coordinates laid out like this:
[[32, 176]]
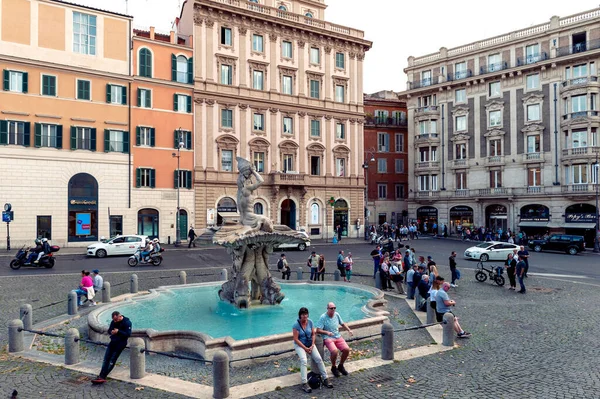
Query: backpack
[[280, 264], [314, 380]]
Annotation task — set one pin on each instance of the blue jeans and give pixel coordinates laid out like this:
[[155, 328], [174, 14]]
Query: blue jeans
[[80, 293], [453, 275], [313, 273], [522, 283], [110, 359], [375, 266]]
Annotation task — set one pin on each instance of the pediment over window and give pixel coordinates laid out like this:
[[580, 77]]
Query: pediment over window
[[315, 149], [495, 133], [533, 127], [533, 98], [460, 137], [494, 105], [288, 146], [259, 145], [460, 110], [227, 142], [341, 150]]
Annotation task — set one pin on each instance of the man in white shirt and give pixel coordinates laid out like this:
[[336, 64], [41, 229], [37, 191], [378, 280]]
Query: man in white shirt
[[98, 282]]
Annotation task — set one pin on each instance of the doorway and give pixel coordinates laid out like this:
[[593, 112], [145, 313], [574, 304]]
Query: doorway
[[183, 224], [148, 222], [340, 216], [288, 213]]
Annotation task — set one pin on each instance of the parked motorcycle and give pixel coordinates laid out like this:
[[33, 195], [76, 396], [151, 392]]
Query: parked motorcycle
[[46, 261], [155, 258]]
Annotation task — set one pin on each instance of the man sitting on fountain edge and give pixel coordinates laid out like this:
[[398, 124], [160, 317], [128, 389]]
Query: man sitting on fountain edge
[[328, 326]]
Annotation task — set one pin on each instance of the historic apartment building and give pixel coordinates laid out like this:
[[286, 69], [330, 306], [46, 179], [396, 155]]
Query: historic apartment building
[[385, 159], [277, 84], [504, 131]]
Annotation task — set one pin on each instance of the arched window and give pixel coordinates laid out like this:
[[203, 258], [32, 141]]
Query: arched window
[[283, 8], [253, 1], [314, 213], [308, 15], [145, 63], [182, 69], [258, 208]]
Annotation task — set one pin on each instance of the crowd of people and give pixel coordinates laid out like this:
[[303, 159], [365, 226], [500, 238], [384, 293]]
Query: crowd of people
[[316, 264]]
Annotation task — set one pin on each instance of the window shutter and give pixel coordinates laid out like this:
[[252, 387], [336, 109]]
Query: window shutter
[[139, 102], [3, 132], [152, 137], [6, 86], [125, 142], [59, 136], [25, 82], [138, 135], [189, 104], [148, 99], [176, 179], [26, 134], [106, 140], [138, 177], [148, 64], [188, 140], [73, 138], [93, 140], [188, 176], [37, 142], [176, 136], [175, 102], [173, 68], [190, 72], [124, 96], [152, 178], [108, 94], [52, 85]]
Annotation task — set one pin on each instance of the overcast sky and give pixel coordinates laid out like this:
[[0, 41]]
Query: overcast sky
[[397, 28]]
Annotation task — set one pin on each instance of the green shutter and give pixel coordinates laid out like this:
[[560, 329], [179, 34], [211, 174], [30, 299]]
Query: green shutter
[[138, 177], [106, 140], [138, 135], [108, 94], [79, 91], [173, 68], [73, 138], [190, 74], [26, 134], [148, 99], [152, 178], [25, 82], [52, 85], [152, 137], [175, 103], [176, 180], [176, 136], [93, 140], [189, 104], [188, 179], [59, 136], [38, 135], [126, 142], [139, 102], [188, 140], [6, 86], [3, 132], [124, 96]]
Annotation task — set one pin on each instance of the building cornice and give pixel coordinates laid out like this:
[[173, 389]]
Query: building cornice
[[161, 43]]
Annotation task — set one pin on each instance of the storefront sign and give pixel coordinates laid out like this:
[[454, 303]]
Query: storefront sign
[[83, 224], [458, 211], [427, 211], [580, 218], [82, 202], [210, 216]]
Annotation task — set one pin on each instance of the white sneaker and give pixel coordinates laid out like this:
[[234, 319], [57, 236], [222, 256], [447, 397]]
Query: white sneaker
[[453, 285], [93, 303]]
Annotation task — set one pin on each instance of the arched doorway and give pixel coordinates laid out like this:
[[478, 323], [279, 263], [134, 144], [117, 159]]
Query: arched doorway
[[427, 217], [496, 217], [461, 217], [580, 219], [148, 222], [183, 224], [83, 208], [340, 216], [226, 205], [288, 213], [533, 219]]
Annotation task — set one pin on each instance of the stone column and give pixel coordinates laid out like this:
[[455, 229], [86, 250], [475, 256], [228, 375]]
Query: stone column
[[244, 149], [210, 141], [352, 94], [328, 89], [302, 81], [243, 72], [301, 134], [209, 43], [359, 76], [273, 67], [329, 145], [273, 131], [199, 41]]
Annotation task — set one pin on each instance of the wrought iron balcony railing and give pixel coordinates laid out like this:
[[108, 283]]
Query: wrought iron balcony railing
[[493, 68], [583, 80], [459, 75], [385, 121], [578, 48], [532, 59]]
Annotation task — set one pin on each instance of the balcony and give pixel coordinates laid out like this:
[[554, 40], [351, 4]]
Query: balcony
[[430, 109], [459, 75], [460, 163], [385, 121], [579, 117], [532, 59], [287, 179], [435, 165], [494, 192], [578, 48], [495, 160], [533, 157], [461, 193], [580, 152], [493, 68], [428, 194], [422, 83], [585, 188], [427, 138], [578, 82]]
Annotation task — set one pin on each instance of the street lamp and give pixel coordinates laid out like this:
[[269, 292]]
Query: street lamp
[[178, 156], [596, 238], [369, 157]]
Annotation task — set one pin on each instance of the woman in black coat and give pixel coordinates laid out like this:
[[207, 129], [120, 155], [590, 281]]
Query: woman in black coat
[[511, 269]]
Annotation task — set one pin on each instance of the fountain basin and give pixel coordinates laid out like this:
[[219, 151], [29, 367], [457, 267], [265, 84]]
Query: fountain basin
[[192, 318]]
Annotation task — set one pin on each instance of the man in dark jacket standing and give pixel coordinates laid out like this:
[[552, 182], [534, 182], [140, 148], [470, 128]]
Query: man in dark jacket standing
[[191, 237], [120, 331], [452, 261]]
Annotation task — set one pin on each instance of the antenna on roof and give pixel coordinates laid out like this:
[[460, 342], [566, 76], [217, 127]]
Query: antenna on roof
[[127, 7]]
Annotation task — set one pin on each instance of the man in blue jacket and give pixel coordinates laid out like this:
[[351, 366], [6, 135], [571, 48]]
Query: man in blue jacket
[[120, 331]]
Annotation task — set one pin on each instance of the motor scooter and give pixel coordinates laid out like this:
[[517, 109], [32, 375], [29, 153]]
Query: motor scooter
[[155, 258], [48, 261]]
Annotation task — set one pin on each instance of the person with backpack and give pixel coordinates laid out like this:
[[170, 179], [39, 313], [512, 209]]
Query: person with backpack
[[284, 268], [304, 333]]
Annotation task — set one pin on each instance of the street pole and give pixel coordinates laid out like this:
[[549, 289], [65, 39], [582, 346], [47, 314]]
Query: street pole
[[596, 243], [177, 227], [8, 230]]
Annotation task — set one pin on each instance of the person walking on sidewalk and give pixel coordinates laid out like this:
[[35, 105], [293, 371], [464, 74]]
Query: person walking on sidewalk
[[192, 237], [120, 331], [376, 255], [329, 327], [452, 260], [521, 270]]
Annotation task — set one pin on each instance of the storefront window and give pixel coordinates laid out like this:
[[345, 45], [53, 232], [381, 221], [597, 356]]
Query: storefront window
[[116, 226], [44, 227], [83, 208], [461, 217]]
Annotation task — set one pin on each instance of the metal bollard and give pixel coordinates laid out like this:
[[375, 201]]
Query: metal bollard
[[72, 346], [182, 278], [448, 334], [223, 275], [137, 359], [430, 312], [336, 275], [378, 280], [15, 336], [72, 303], [320, 347], [106, 292], [133, 284], [220, 375], [26, 314], [387, 341], [299, 273]]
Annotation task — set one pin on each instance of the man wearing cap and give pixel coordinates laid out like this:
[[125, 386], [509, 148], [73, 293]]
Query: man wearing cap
[[313, 263], [98, 283]]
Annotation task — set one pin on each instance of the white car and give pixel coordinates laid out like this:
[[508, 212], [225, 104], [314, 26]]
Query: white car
[[301, 247], [491, 250], [120, 245]]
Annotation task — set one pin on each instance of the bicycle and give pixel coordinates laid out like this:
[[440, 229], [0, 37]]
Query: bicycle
[[494, 273]]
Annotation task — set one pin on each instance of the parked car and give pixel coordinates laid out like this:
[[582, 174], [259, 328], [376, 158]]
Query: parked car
[[490, 250], [559, 242], [120, 245], [301, 247]]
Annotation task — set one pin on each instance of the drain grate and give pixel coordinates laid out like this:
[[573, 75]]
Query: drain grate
[[380, 378], [76, 381]]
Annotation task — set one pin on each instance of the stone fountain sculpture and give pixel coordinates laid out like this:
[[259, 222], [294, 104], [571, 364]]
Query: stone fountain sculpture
[[250, 242]]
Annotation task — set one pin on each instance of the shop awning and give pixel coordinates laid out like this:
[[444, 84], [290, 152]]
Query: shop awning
[[587, 226], [229, 215], [533, 224]]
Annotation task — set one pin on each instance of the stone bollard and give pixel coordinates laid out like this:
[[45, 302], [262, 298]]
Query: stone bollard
[[448, 326], [182, 278], [15, 336], [223, 275], [137, 359], [106, 292], [133, 284], [336, 275], [220, 375], [387, 341], [430, 312], [72, 346], [299, 273], [378, 280], [26, 314], [418, 300], [72, 303]]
